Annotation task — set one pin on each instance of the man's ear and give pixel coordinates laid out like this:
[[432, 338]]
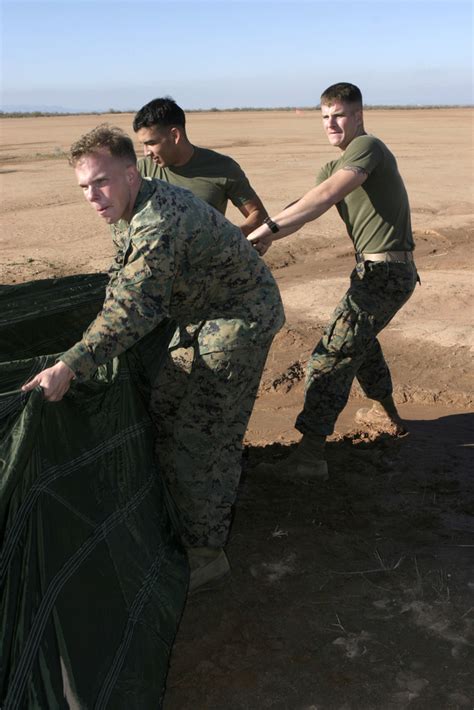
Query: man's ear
[[176, 133], [131, 173]]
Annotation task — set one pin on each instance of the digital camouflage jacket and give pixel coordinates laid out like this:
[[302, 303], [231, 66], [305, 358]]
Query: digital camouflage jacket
[[179, 258]]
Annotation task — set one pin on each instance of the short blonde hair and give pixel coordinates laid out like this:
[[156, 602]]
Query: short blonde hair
[[113, 138]]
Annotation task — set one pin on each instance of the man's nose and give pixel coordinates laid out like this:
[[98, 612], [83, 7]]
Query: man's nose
[[91, 193], [146, 150]]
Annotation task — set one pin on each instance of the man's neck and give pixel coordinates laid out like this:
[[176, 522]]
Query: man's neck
[[186, 152], [359, 133]]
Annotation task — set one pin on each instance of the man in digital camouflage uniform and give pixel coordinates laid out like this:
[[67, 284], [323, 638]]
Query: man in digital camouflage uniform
[[178, 258], [366, 187]]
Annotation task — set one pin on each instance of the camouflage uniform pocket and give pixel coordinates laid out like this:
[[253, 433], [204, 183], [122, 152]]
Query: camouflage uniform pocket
[[350, 332]]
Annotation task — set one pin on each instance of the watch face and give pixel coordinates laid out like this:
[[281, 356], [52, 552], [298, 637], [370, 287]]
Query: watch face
[[271, 224]]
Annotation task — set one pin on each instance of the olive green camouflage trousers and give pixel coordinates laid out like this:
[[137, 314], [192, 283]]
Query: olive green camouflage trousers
[[349, 347], [201, 404]]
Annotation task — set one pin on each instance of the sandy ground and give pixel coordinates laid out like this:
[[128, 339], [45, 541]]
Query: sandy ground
[[356, 594]]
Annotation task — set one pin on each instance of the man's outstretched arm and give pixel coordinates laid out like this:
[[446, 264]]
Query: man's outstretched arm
[[311, 206]]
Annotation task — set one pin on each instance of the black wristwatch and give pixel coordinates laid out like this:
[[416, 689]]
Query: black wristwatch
[[272, 225]]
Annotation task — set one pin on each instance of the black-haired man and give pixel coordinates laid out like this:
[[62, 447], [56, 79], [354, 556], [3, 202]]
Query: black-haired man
[[215, 178]]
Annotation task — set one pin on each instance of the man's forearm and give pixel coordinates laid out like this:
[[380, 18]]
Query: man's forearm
[[253, 221], [254, 213], [293, 217], [309, 207]]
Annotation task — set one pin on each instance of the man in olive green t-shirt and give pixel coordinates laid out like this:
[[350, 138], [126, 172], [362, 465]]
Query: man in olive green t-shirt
[[365, 186], [215, 178]]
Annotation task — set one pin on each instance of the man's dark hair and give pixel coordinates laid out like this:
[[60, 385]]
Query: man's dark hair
[[159, 112], [343, 91], [114, 139]]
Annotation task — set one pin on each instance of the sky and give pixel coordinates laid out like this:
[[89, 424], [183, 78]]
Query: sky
[[96, 55]]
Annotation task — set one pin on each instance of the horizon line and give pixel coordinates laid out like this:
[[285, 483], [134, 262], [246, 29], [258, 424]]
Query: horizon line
[[39, 113]]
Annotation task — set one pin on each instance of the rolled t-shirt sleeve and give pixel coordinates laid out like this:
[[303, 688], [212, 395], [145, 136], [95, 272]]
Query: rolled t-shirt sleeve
[[137, 299], [363, 152]]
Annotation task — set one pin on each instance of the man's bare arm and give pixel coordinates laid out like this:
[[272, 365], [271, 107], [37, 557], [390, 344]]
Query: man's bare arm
[[311, 206], [254, 213]]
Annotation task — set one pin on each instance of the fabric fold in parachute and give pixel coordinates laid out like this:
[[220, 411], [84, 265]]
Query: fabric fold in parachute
[[92, 574]]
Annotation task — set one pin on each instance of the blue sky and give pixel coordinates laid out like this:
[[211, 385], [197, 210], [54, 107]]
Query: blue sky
[[100, 54]]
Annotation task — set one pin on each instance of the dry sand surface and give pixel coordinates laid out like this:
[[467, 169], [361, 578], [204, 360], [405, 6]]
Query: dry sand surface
[[356, 594]]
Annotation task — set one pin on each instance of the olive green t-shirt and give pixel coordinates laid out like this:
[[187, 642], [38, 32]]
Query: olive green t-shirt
[[211, 176], [376, 214]]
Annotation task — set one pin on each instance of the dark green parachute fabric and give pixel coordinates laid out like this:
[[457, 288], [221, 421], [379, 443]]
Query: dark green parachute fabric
[[92, 575]]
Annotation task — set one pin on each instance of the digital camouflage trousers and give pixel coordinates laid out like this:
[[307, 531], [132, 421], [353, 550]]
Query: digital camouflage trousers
[[349, 347], [201, 404]]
